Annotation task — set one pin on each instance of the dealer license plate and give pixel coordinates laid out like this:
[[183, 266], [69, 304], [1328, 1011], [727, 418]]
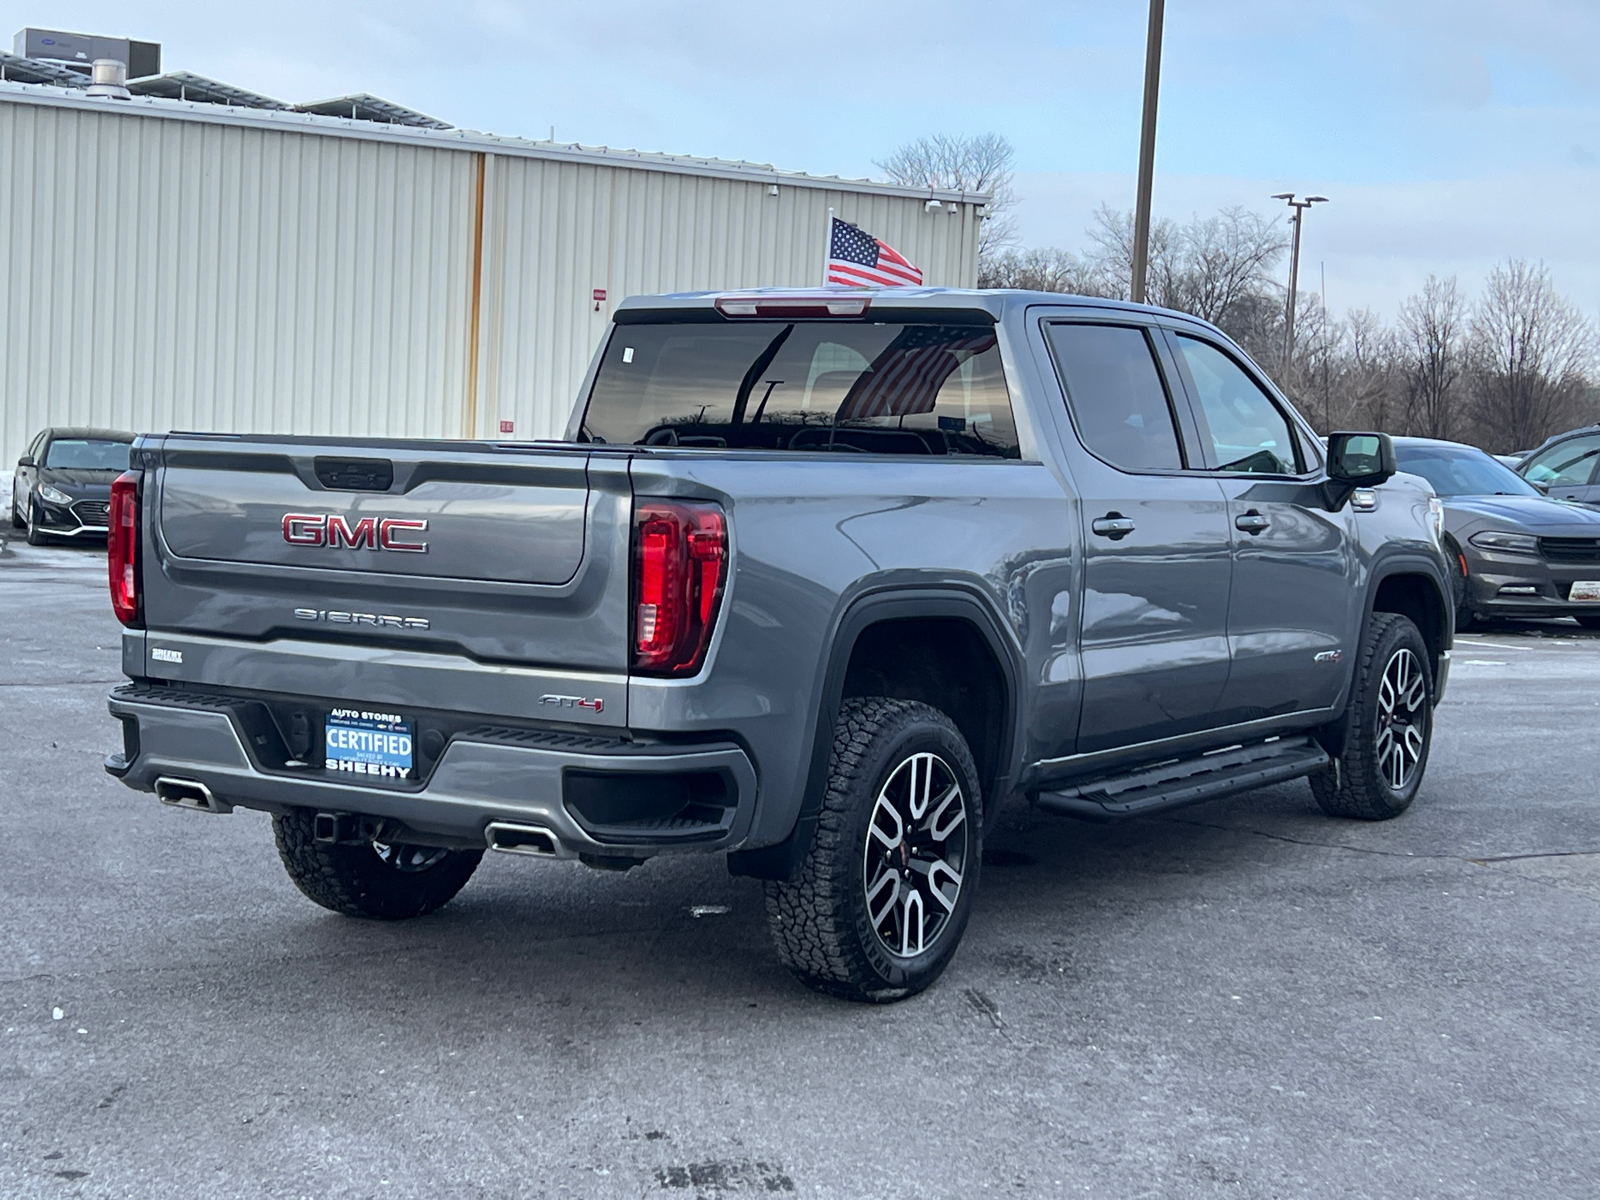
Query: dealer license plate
[[1585, 589], [368, 743]]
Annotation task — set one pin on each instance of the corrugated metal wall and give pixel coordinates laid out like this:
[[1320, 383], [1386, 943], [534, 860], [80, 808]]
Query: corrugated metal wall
[[556, 232], [192, 274], [180, 275]]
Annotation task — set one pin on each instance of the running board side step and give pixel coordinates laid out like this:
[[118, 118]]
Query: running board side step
[[1189, 781]]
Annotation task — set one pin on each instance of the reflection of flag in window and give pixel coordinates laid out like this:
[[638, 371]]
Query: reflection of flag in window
[[857, 258], [904, 380]]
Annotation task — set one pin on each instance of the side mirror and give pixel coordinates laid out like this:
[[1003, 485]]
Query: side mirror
[[1357, 460], [26, 461]]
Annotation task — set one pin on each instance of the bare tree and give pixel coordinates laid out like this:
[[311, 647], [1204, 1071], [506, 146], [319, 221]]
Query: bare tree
[[979, 163], [1218, 268], [1432, 325], [1368, 395], [1226, 258], [1111, 256], [1531, 353], [1040, 270]]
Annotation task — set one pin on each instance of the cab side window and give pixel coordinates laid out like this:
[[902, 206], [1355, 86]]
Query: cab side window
[[1571, 464], [1248, 433], [1116, 396]]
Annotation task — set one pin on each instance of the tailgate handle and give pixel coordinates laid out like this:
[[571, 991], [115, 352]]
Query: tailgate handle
[[355, 474]]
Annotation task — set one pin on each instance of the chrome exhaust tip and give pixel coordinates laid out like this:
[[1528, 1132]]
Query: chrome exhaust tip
[[513, 838], [191, 794]]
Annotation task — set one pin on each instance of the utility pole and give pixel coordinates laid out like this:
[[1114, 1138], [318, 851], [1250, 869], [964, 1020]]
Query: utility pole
[[1147, 152], [1299, 207]]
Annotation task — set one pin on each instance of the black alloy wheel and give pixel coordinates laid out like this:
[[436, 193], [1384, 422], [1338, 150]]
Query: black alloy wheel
[[915, 857], [876, 909], [1388, 726]]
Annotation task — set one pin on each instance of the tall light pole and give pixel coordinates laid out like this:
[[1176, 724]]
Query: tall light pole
[[1147, 152], [1299, 207]]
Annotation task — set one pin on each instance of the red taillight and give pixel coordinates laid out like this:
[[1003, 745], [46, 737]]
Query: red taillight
[[122, 549], [680, 562]]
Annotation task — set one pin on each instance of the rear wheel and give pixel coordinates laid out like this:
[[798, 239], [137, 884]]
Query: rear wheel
[[370, 879], [1390, 726], [882, 897]]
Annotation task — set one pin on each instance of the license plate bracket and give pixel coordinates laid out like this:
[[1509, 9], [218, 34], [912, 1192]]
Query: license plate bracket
[[1585, 591], [363, 742]]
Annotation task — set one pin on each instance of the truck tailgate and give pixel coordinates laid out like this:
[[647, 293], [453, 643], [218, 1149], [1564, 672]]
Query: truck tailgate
[[468, 558]]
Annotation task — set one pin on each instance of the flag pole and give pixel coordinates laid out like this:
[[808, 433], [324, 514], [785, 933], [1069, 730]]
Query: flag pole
[[827, 246]]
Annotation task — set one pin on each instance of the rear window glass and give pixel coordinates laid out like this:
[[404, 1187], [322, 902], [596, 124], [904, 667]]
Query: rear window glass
[[87, 454], [811, 386]]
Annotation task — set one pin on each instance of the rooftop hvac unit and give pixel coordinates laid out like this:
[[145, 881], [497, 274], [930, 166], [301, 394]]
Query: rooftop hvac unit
[[81, 49]]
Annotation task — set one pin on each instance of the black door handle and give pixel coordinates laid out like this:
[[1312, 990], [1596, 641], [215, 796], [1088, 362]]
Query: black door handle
[[1113, 525], [1251, 522]]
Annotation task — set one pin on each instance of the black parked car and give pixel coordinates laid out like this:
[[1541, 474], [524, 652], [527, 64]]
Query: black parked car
[[62, 487], [1564, 467], [1514, 551]]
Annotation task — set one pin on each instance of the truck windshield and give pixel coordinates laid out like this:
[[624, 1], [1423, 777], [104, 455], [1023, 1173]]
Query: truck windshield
[[852, 387]]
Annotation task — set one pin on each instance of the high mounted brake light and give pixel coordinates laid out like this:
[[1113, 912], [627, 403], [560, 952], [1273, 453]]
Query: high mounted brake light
[[122, 551], [680, 565], [801, 305]]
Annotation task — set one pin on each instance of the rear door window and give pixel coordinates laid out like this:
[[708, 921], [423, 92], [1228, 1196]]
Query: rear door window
[[1248, 432], [1115, 393], [813, 386]]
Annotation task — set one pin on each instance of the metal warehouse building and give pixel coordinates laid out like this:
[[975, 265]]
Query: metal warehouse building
[[178, 265]]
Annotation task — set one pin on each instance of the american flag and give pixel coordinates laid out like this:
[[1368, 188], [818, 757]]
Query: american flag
[[904, 380], [857, 258]]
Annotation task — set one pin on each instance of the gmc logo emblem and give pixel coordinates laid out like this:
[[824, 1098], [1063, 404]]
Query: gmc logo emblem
[[369, 533]]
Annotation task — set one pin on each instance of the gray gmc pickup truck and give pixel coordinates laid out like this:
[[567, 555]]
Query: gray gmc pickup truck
[[816, 580]]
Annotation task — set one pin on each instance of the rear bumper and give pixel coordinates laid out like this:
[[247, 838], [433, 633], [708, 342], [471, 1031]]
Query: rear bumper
[[595, 797]]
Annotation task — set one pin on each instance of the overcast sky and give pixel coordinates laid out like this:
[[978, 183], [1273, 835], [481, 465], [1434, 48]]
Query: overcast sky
[[1448, 133]]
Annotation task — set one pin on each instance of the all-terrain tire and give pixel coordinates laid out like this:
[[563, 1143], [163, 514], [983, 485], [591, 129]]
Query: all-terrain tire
[[389, 883], [1392, 694], [823, 919]]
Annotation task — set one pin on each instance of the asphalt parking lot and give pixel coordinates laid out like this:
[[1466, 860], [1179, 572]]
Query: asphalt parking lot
[[1242, 999]]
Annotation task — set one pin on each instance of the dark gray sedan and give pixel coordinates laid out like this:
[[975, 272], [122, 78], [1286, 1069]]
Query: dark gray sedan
[[62, 487], [1514, 551]]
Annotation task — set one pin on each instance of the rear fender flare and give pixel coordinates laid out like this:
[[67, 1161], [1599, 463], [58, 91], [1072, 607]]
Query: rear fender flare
[[865, 610]]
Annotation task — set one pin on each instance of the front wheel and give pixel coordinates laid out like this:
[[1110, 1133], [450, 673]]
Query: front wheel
[[1390, 726], [880, 902], [36, 536], [369, 879]]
